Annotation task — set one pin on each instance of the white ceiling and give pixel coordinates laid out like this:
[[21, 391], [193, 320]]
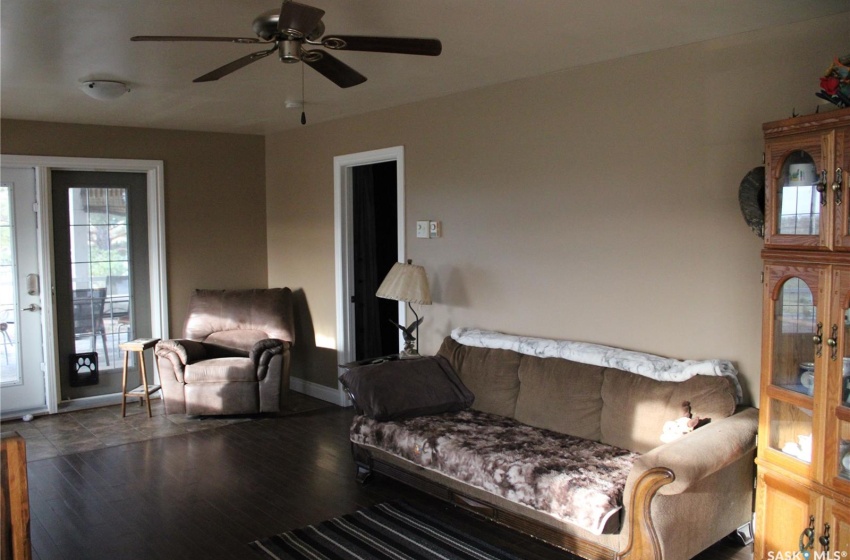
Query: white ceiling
[[49, 47]]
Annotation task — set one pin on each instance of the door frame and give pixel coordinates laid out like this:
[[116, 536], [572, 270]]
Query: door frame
[[344, 243], [155, 174]]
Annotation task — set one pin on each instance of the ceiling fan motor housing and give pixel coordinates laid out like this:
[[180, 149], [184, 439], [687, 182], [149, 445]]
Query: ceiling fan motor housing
[[266, 27], [290, 52]]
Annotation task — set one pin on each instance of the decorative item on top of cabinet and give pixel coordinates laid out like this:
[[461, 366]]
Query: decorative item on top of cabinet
[[803, 486]]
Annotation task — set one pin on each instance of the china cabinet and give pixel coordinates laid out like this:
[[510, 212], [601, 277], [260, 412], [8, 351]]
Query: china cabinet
[[803, 482]]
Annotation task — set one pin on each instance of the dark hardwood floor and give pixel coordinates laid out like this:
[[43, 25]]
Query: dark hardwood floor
[[207, 494]]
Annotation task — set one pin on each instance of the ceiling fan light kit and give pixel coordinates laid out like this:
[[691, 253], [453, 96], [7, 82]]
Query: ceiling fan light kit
[[287, 31], [104, 90]]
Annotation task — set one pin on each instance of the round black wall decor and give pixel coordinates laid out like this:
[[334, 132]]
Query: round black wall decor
[[751, 199]]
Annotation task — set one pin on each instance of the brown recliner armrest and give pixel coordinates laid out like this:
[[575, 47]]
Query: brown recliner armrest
[[263, 352], [177, 355], [186, 351]]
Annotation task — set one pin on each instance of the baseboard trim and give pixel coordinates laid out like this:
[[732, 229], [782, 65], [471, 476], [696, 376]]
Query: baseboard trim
[[322, 392]]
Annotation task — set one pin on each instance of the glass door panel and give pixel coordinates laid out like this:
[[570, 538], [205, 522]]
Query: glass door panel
[[839, 393], [99, 271], [795, 192], [10, 373], [840, 187], [791, 430], [798, 197], [794, 327], [844, 450], [845, 362]]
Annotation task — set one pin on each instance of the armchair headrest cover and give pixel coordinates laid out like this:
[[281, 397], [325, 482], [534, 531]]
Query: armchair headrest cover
[[261, 313]]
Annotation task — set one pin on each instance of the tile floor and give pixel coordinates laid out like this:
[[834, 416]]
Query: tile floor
[[95, 428]]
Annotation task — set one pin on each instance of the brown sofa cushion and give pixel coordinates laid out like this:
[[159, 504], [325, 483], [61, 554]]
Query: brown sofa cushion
[[491, 375], [635, 407], [406, 388], [560, 395]]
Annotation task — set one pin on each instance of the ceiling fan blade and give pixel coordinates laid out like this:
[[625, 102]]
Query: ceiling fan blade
[[332, 68], [398, 45], [234, 66], [186, 38], [298, 20]]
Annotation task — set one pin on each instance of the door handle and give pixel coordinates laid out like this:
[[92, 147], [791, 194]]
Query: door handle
[[32, 307]]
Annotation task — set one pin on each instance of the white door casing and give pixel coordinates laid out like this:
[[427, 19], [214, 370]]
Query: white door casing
[[343, 243]]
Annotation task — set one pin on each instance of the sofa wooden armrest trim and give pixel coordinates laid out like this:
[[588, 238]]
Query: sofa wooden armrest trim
[[643, 539]]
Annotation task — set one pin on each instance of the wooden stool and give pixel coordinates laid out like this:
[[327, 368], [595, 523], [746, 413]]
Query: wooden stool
[[143, 391]]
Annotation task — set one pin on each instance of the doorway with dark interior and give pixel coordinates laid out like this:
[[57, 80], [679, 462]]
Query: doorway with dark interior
[[375, 250]]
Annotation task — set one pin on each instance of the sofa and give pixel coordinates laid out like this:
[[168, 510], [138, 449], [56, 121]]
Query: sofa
[[234, 355], [563, 441]]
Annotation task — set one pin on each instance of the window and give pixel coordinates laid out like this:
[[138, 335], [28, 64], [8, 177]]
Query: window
[[100, 270]]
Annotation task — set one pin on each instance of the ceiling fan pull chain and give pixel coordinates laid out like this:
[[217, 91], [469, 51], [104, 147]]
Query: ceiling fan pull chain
[[303, 99]]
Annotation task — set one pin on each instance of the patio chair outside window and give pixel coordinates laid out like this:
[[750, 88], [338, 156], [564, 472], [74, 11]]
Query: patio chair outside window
[[88, 317]]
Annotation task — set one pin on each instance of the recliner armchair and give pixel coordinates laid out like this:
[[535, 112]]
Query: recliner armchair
[[234, 355]]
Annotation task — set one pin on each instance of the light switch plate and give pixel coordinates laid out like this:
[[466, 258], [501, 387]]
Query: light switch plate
[[436, 229], [423, 229]]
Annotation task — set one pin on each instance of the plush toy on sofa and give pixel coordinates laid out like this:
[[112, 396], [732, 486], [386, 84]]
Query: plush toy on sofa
[[674, 429]]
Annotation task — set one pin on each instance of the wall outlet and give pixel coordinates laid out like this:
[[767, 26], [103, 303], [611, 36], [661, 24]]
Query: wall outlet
[[423, 229], [436, 230]]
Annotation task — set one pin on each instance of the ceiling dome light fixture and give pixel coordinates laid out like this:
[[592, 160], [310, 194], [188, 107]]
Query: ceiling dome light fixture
[[104, 90]]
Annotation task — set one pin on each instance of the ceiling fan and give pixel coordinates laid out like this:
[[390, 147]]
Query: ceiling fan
[[297, 25]]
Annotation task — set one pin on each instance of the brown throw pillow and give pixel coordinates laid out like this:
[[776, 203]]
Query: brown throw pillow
[[406, 388]]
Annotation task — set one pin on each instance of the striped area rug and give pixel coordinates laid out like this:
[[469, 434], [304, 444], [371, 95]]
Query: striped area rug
[[389, 531]]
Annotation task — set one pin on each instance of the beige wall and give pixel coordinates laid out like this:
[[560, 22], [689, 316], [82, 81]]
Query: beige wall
[[598, 204], [215, 216]]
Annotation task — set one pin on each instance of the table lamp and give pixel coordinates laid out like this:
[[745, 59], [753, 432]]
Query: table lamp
[[409, 283]]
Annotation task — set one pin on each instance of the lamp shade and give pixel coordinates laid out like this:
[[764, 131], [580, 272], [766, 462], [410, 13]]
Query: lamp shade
[[406, 282]]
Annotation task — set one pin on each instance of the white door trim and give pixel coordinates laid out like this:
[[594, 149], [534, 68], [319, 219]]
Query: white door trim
[[343, 244], [43, 165]]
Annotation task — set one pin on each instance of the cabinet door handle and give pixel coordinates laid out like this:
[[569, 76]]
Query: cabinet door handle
[[807, 537], [818, 339], [836, 185], [824, 539], [821, 187], [832, 342]]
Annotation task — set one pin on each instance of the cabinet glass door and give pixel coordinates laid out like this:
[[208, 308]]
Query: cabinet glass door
[[797, 346], [796, 193], [839, 393], [795, 327], [798, 197], [840, 190]]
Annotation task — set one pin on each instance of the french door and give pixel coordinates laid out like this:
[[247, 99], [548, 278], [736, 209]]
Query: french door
[[22, 375], [112, 240], [102, 282]]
